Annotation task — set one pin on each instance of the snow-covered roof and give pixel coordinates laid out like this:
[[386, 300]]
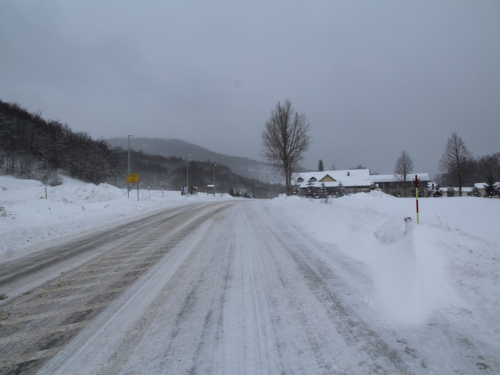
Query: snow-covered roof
[[393, 178], [354, 177], [482, 185]]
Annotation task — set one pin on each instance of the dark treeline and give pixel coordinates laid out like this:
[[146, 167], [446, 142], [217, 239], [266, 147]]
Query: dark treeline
[[475, 170], [32, 147]]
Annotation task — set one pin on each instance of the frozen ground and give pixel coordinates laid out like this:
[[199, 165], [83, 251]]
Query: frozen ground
[[30, 222], [285, 280]]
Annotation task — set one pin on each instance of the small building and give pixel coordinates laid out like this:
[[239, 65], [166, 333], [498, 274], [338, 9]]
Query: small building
[[352, 181], [358, 180], [211, 190], [392, 184]]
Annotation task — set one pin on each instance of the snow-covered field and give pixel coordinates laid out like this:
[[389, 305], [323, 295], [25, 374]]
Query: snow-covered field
[[30, 222], [442, 273], [450, 259]]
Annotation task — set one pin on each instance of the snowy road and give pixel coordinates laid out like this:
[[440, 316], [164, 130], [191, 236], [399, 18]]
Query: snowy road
[[221, 288]]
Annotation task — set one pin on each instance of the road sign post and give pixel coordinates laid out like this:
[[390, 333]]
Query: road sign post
[[133, 178]]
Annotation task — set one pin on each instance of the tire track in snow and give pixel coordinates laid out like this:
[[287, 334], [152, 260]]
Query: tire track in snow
[[364, 347], [39, 323], [164, 293]]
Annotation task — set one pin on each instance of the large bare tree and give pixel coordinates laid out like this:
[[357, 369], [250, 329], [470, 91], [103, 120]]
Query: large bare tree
[[404, 166], [285, 139], [456, 160]]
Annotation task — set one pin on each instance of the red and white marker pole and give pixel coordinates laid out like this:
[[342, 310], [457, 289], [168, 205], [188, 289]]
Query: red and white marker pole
[[416, 195]]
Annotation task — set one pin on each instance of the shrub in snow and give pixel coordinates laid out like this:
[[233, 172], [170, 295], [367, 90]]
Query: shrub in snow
[[240, 190], [51, 179], [476, 192], [437, 193], [450, 192]]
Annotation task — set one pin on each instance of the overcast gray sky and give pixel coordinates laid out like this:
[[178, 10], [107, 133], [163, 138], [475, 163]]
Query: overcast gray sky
[[373, 77]]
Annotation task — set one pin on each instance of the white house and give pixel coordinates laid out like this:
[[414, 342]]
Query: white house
[[357, 180]]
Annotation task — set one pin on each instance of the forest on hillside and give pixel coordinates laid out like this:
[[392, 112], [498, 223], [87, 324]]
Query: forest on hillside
[[32, 147], [246, 167]]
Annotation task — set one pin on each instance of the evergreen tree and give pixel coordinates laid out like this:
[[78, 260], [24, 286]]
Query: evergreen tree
[[450, 192], [476, 192], [340, 190], [490, 189], [421, 191], [321, 167], [296, 190], [310, 190], [323, 193]]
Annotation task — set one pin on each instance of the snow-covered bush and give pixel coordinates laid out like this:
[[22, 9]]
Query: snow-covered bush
[[240, 190], [476, 192]]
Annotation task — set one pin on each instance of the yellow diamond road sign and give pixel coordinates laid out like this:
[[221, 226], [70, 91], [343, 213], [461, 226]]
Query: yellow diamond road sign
[[132, 179]]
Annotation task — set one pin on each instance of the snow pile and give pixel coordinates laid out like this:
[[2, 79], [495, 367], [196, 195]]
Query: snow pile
[[30, 221], [448, 261]]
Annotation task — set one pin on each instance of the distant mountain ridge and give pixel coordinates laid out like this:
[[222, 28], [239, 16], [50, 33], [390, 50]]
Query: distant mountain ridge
[[175, 147]]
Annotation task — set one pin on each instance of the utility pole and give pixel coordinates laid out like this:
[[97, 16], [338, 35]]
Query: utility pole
[[128, 171], [187, 174], [214, 177]]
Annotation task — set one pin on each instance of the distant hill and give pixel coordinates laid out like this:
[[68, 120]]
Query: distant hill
[[35, 148], [175, 147]]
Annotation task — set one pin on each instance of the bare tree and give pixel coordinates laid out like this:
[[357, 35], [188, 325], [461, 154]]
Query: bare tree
[[285, 139], [456, 160], [404, 166]]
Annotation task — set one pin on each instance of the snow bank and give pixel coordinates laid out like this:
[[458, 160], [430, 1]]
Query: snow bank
[[450, 259], [29, 221]]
